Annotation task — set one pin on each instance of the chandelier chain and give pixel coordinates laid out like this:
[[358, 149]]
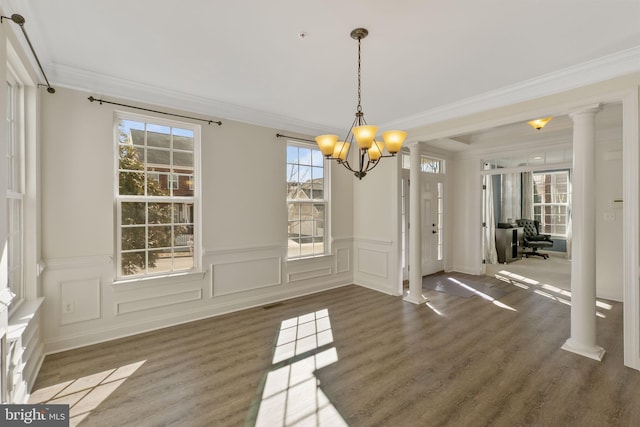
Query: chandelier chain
[[359, 90]]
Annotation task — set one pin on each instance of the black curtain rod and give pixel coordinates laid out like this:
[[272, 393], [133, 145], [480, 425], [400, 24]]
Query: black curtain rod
[[19, 20], [279, 135], [102, 101]]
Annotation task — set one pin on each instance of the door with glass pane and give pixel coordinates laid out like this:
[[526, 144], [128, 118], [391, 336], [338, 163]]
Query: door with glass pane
[[432, 223]]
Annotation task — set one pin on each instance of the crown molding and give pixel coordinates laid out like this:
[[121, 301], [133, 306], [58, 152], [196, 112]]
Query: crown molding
[[601, 69], [104, 85], [590, 72]]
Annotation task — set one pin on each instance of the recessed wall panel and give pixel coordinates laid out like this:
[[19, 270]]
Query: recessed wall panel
[[245, 275], [373, 262]]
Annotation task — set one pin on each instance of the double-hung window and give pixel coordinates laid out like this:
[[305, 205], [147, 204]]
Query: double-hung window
[[551, 201], [157, 218], [15, 190], [307, 201]]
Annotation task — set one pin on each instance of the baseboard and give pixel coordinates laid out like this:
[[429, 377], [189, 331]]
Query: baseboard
[[373, 288], [464, 269]]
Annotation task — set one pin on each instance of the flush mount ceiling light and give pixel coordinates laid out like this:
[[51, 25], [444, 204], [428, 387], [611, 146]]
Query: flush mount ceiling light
[[539, 123], [370, 150]]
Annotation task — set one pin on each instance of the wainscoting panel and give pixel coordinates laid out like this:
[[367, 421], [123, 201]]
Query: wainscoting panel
[[376, 265], [309, 274], [84, 305], [158, 301], [80, 300], [373, 262], [343, 260], [239, 276]]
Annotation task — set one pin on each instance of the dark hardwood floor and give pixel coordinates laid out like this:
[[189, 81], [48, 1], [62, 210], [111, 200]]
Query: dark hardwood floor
[[356, 357]]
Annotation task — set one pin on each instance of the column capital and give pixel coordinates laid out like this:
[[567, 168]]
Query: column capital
[[413, 145], [585, 111]]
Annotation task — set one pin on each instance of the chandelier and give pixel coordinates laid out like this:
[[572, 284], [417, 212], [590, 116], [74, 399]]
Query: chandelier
[[370, 150]]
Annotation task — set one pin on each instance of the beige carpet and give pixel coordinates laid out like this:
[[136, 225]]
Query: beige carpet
[[554, 271]]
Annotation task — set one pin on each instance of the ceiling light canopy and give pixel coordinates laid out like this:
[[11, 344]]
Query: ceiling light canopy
[[539, 123], [370, 151]]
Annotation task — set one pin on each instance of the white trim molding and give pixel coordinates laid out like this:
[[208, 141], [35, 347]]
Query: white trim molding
[[590, 72]]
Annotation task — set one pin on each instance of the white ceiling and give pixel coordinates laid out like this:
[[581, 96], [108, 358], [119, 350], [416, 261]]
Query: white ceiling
[[244, 59]]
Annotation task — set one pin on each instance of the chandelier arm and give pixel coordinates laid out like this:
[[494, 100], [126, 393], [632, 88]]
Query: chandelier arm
[[346, 164], [374, 164]]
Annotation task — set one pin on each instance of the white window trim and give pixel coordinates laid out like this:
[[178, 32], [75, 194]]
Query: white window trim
[[17, 193], [196, 199], [326, 201], [552, 204]]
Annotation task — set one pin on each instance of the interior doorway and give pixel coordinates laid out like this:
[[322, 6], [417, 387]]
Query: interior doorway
[[432, 192]]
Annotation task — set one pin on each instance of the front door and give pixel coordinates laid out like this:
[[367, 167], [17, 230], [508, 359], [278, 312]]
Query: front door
[[432, 223]]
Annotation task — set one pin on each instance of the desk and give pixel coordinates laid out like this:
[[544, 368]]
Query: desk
[[509, 244]]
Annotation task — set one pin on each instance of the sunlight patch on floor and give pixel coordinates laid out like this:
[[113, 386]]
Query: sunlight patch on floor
[[518, 277], [435, 310], [556, 292], [84, 394], [483, 295], [292, 395]]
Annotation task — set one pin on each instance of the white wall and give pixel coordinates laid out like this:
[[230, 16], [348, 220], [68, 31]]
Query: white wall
[[376, 228], [609, 231], [465, 249], [244, 229]]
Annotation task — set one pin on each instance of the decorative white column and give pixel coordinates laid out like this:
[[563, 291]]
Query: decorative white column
[[415, 228], [583, 219]]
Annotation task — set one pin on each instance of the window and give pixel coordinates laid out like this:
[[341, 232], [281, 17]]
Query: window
[[15, 190], [551, 201], [157, 219], [427, 164], [306, 202]]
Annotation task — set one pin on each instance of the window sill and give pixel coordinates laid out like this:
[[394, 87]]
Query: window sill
[[309, 258], [20, 319], [189, 276]]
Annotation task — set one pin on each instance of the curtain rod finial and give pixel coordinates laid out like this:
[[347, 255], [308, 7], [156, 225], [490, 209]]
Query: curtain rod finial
[[18, 19]]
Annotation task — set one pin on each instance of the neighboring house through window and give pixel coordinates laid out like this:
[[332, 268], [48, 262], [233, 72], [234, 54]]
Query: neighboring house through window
[[307, 202], [174, 181], [157, 220]]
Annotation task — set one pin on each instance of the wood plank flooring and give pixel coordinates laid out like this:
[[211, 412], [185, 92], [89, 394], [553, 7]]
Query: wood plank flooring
[[369, 360]]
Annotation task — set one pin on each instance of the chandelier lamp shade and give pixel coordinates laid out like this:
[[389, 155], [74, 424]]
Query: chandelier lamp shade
[[370, 150], [539, 123]]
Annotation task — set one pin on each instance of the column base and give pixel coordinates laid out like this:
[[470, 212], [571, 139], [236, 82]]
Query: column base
[[413, 300], [595, 352]]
